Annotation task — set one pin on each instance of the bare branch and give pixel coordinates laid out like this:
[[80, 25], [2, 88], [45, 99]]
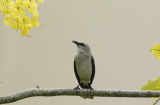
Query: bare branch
[[83, 92]]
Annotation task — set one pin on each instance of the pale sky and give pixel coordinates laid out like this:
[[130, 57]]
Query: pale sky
[[119, 32]]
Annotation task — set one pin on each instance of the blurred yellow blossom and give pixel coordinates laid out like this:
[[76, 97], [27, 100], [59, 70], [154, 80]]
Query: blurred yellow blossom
[[15, 15], [40, 1], [15, 25], [25, 32]]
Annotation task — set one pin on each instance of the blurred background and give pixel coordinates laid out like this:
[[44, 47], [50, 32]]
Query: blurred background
[[119, 32]]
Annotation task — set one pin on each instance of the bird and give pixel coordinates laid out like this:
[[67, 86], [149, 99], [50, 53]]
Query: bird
[[84, 67]]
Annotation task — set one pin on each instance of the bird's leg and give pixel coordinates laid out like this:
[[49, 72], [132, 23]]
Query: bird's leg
[[91, 89], [76, 88]]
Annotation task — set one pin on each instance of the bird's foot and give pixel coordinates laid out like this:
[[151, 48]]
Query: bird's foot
[[76, 88], [91, 89]]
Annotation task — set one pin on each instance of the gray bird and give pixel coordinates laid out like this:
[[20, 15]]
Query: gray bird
[[84, 66]]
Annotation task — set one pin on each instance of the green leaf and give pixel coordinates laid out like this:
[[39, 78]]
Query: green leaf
[[156, 51], [153, 84], [156, 101]]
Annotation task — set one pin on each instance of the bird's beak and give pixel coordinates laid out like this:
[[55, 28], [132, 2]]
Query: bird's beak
[[75, 42]]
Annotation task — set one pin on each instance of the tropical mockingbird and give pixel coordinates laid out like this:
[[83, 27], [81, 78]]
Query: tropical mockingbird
[[84, 66]]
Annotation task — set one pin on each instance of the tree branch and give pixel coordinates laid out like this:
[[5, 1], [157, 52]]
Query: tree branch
[[83, 92]]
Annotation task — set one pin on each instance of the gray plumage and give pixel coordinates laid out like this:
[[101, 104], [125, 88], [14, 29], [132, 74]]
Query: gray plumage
[[84, 66]]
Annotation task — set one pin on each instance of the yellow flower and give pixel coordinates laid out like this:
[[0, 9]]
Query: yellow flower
[[36, 23], [29, 25], [15, 14], [40, 1], [18, 2], [3, 5], [35, 16], [25, 32], [25, 4], [10, 2], [33, 4], [7, 21], [9, 10], [33, 10], [20, 25], [34, 20], [15, 25], [26, 19], [21, 12]]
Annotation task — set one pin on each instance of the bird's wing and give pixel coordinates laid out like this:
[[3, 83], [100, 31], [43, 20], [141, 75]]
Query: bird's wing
[[75, 71], [93, 69]]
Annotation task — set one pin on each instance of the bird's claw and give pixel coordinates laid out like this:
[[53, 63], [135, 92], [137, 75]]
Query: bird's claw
[[76, 88], [91, 89]]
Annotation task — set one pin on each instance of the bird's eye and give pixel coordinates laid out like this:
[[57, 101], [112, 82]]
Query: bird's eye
[[82, 44]]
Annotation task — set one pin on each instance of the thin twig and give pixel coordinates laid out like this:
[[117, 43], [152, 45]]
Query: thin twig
[[156, 101]]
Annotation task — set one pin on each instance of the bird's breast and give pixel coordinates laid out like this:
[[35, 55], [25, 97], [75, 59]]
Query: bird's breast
[[84, 68]]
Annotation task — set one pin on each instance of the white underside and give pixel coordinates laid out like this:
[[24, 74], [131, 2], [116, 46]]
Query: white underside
[[84, 68]]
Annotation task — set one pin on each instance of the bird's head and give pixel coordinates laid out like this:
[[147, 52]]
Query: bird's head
[[83, 48]]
